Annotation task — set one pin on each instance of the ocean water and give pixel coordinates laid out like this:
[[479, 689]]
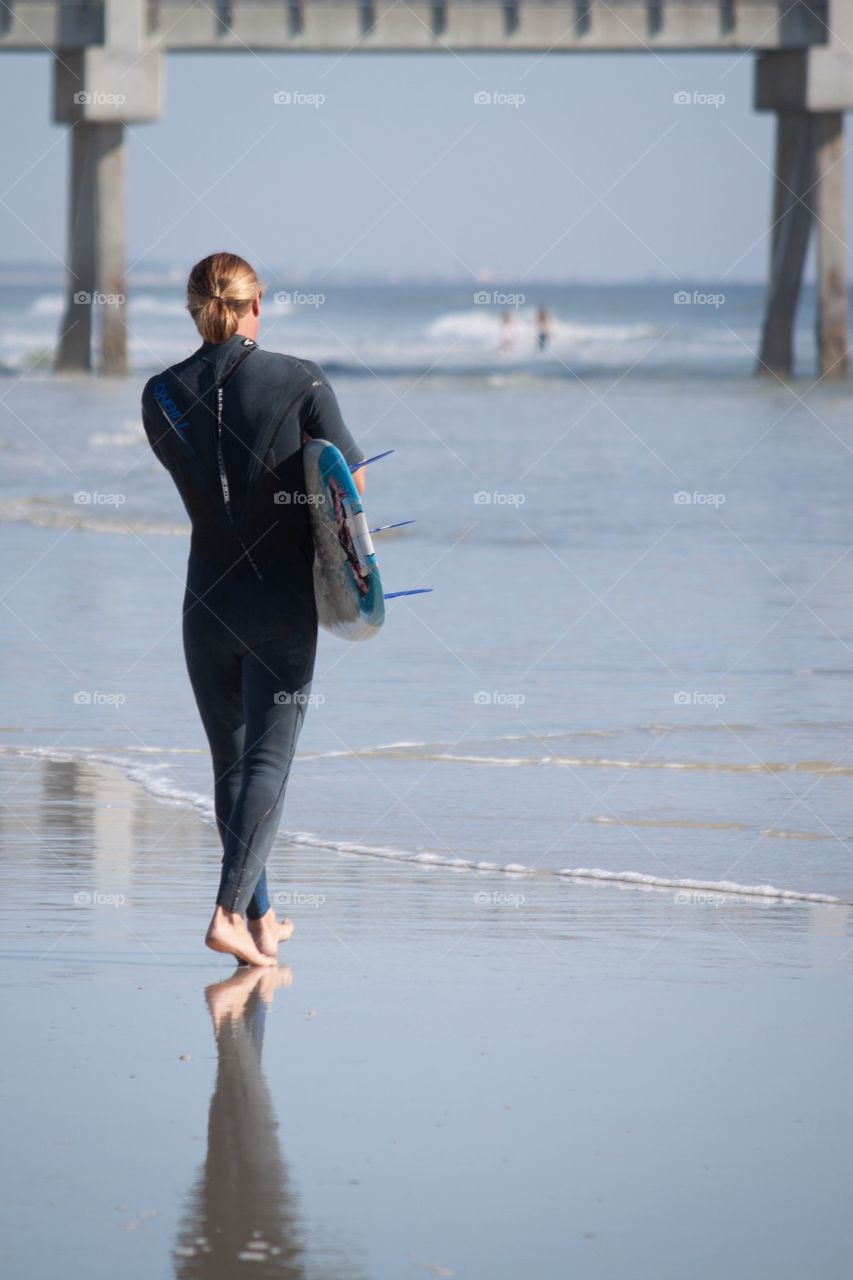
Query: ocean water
[[637, 659]]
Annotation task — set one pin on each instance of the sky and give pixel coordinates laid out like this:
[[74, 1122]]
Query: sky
[[581, 167]]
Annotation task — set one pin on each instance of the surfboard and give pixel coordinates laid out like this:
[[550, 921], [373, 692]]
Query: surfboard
[[347, 585]]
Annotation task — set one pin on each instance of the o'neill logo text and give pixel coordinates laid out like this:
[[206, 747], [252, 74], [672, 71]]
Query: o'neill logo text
[[167, 404]]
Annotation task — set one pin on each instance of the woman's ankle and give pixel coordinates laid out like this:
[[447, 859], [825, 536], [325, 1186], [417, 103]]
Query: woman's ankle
[[222, 914], [269, 917]]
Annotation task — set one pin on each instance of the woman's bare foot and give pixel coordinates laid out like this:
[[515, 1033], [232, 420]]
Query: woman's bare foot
[[268, 932], [227, 932]]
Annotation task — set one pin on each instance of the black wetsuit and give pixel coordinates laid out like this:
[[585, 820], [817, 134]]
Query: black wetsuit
[[228, 425]]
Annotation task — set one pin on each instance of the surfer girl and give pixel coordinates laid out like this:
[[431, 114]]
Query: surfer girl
[[228, 423], [543, 329], [507, 342]]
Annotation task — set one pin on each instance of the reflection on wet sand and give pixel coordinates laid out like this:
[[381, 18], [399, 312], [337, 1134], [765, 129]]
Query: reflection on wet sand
[[241, 1215], [391, 1168], [88, 841]]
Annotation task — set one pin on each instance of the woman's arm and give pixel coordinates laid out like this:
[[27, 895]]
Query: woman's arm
[[153, 423], [322, 420]]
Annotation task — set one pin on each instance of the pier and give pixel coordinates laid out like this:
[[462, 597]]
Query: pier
[[109, 69]]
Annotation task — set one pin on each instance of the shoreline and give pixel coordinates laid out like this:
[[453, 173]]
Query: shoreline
[[202, 805]]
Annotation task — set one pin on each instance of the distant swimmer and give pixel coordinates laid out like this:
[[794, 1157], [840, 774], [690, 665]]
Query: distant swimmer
[[507, 332], [543, 329], [229, 423]]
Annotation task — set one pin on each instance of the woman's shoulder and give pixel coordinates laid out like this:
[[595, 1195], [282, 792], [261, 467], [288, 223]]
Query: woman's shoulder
[[159, 380], [289, 365], [269, 367]]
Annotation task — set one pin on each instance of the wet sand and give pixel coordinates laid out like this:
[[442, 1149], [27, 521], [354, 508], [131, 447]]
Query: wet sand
[[454, 1074]]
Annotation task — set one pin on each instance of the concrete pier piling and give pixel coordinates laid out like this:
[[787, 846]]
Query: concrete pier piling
[[809, 90], [789, 237], [96, 251], [831, 230], [98, 90]]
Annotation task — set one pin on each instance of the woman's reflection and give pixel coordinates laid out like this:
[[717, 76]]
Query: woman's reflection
[[241, 1216]]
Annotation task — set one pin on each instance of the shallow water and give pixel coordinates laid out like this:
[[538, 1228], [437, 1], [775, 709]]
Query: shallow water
[[606, 676], [365, 329]]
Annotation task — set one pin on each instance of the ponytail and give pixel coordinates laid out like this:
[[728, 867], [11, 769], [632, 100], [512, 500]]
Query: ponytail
[[220, 290]]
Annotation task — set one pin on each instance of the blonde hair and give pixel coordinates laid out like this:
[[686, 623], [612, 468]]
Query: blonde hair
[[220, 290]]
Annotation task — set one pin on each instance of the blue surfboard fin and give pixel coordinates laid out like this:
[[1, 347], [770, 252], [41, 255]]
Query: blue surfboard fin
[[416, 591], [367, 461], [382, 527]]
